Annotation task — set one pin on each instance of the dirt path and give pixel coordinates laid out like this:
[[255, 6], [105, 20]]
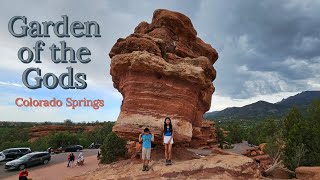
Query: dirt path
[[60, 171], [239, 148]]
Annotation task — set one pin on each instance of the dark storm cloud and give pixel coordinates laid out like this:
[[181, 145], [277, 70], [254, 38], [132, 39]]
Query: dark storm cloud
[[273, 44]]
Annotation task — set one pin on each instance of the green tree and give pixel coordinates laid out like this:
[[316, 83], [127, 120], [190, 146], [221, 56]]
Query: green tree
[[68, 122], [237, 132], [41, 144], [294, 131], [312, 135], [100, 134], [220, 136], [113, 147], [13, 137], [62, 139]]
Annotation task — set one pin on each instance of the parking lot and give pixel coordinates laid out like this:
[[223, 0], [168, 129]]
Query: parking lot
[[55, 159]]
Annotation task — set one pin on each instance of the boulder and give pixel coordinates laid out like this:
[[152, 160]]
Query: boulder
[[308, 172], [163, 70], [204, 136], [262, 146]]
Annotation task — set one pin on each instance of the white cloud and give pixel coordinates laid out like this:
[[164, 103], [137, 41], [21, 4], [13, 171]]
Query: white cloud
[[221, 102], [262, 82], [10, 84]]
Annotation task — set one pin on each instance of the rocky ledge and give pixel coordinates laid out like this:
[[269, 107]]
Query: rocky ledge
[[210, 167]]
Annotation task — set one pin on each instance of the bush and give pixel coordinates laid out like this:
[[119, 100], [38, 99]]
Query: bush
[[41, 144], [18, 136], [14, 144], [100, 134], [13, 137], [62, 139], [220, 136], [112, 148]]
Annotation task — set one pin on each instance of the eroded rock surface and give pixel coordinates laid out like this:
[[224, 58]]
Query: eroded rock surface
[[210, 167], [163, 69], [304, 172], [45, 130]]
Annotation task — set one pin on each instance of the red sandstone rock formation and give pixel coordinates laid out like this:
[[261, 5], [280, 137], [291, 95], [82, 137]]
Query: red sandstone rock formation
[[308, 172], [204, 136], [210, 167], [163, 69], [42, 131]]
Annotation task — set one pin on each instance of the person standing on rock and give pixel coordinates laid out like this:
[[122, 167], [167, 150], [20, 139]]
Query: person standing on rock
[[167, 140], [146, 139]]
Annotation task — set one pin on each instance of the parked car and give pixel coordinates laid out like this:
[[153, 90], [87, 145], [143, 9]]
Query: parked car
[[57, 150], [94, 146], [2, 157], [14, 153], [28, 160], [72, 148]]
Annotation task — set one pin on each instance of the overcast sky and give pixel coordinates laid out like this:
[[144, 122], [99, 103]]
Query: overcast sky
[[268, 50]]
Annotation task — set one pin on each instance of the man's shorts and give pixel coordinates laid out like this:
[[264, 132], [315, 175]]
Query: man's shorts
[[146, 153]]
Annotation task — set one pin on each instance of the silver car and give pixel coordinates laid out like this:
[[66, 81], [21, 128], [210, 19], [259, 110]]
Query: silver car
[[2, 157]]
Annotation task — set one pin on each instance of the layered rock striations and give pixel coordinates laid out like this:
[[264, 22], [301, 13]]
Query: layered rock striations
[[163, 70], [45, 130]]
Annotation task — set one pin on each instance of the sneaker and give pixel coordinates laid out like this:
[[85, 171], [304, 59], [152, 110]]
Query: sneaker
[[169, 162], [147, 168], [144, 168]]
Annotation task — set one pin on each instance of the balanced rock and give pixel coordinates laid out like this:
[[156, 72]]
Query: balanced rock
[[163, 70]]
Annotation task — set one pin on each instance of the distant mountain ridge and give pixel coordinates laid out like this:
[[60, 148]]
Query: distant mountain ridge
[[263, 109]]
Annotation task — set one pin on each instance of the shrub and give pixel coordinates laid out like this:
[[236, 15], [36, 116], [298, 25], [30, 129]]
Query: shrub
[[220, 136], [14, 144], [112, 148], [100, 134], [62, 139], [41, 144]]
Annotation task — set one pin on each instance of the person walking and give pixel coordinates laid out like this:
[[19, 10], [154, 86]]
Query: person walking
[[72, 157], [68, 165]]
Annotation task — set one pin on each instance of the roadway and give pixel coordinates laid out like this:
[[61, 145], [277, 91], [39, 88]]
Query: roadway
[[55, 159]]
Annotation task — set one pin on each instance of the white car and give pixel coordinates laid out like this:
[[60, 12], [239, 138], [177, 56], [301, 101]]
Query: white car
[[2, 156]]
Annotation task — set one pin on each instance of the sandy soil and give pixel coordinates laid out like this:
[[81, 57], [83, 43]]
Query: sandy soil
[[60, 171]]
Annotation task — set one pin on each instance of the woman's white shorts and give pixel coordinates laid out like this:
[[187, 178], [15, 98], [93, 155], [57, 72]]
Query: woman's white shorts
[[166, 140]]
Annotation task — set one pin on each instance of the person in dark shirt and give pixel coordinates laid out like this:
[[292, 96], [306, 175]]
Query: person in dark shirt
[[98, 155], [72, 159], [167, 139]]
